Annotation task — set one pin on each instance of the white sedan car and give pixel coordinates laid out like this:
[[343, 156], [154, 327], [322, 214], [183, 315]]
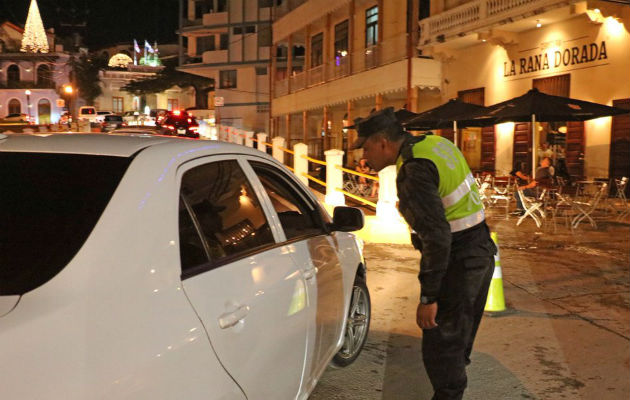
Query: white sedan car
[[148, 267]]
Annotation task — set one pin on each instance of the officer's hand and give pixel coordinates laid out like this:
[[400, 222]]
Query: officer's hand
[[425, 315]]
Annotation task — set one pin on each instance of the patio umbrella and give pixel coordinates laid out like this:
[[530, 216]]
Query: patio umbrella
[[537, 106], [403, 115], [447, 115]]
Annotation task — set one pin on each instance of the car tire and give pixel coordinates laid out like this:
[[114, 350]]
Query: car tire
[[357, 326]]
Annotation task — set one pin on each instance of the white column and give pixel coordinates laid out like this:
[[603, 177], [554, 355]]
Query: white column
[[300, 164], [262, 138], [249, 135], [276, 152], [387, 194], [334, 178]]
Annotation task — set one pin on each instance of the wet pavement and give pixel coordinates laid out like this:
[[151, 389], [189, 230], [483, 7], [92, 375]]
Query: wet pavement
[[565, 334]]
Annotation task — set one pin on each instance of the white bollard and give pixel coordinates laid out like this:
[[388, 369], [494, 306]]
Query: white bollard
[[300, 164], [249, 142], [276, 150], [84, 126], [334, 178], [387, 194], [238, 139], [262, 138]]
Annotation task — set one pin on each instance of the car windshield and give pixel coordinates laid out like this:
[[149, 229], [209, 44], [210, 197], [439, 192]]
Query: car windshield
[[49, 204]]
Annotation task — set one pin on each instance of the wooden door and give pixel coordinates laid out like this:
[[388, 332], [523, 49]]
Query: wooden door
[[523, 145], [575, 149], [488, 149], [620, 145]]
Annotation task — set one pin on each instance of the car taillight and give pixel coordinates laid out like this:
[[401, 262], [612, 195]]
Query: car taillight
[[194, 128], [171, 127], [124, 124]]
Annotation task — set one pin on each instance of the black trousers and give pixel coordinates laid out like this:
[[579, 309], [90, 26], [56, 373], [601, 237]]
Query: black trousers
[[446, 349]]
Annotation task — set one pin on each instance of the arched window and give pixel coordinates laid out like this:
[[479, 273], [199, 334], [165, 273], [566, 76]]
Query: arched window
[[15, 107], [44, 76], [13, 74]]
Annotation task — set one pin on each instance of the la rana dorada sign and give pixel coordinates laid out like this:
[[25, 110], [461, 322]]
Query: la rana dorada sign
[[552, 58]]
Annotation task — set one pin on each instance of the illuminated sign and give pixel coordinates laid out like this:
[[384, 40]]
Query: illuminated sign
[[554, 58]]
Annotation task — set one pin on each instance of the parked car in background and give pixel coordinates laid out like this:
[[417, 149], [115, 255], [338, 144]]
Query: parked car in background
[[17, 119], [100, 115], [180, 123], [111, 122], [87, 113], [133, 118], [149, 267]]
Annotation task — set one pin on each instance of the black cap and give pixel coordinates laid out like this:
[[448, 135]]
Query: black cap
[[374, 123]]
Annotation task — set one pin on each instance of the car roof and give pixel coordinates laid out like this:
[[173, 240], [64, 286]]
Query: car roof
[[121, 145]]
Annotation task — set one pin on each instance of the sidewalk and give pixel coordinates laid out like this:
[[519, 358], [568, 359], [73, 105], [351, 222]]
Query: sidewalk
[[566, 334]]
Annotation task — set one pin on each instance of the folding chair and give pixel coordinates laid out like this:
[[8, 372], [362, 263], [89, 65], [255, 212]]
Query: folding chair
[[483, 189], [585, 209], [621, 195], [502, 193], [531, 206]]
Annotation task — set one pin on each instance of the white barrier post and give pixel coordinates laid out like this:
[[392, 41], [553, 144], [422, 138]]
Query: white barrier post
[[334, 178], [276, 150], [387, 194], [249, 135], [300, 163], [262, 139]]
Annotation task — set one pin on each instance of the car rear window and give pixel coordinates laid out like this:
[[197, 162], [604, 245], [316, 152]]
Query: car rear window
[[49, 204], [88, 111], [116, 118]]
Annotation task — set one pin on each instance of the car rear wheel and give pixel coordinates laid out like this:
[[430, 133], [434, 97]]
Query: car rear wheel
[[357, 326]]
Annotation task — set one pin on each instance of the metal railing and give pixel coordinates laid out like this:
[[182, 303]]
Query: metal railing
[[475, 15], [386, 52]]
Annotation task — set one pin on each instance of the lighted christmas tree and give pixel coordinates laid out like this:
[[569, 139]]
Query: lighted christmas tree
[[34, 39]]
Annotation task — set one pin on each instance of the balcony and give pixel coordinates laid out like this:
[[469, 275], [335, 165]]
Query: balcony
[[42, 84], [387, 52], [480, 15], [297, 14], [214, 57], [220, 18]]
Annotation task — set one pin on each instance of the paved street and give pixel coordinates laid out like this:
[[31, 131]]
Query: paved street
[[565, 334]]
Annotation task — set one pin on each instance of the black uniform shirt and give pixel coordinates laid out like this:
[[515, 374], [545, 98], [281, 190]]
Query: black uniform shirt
[[421, 206]]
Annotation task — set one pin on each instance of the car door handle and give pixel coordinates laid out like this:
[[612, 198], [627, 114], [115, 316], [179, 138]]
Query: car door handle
[[310, 273], [230, 319]]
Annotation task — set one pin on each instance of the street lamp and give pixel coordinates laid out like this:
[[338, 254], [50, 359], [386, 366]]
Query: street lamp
[[28, 103], [68, 91]]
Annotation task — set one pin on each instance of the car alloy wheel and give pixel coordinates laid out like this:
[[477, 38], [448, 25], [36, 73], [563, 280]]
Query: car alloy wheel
[[357, 326]]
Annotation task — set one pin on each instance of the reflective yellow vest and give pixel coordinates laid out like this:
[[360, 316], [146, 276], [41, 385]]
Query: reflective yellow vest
[[457, 187]]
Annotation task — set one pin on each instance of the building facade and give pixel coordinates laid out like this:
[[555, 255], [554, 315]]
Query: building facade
[[335, 60], [30, 83], [114, 99], [230, 42], [494, 50]]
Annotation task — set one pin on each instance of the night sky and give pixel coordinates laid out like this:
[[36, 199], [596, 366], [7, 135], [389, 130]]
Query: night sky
[[108, 21]]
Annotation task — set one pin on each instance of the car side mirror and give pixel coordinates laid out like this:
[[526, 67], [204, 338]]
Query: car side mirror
[[347, 219]]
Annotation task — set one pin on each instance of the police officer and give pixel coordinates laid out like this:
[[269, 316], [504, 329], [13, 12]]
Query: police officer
[[440, 201]]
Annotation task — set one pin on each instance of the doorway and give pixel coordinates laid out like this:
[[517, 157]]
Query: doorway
[[43, 112], [620, 145]]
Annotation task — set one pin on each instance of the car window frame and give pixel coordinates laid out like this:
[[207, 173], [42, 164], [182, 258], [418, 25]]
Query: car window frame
[[293, 183], [276, 231]]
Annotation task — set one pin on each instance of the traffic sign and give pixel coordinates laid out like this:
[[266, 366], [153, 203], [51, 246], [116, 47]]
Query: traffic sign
[[218, 101]]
